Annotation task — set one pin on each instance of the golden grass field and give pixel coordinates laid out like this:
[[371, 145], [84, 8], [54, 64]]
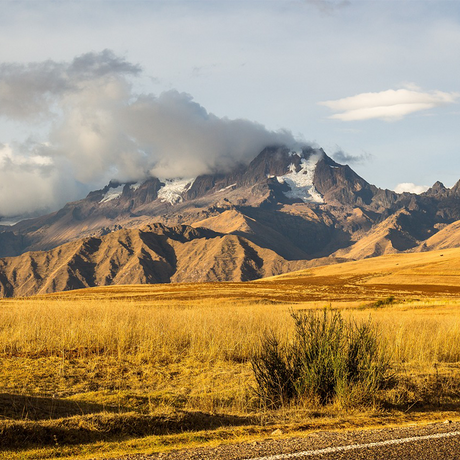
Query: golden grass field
[[103, 371]]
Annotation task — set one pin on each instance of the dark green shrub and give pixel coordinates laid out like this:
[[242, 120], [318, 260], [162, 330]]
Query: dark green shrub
[[317, 348], [326, 359], [274, 372]]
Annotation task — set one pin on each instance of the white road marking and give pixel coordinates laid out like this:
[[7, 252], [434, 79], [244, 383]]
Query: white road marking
[[332, 450]]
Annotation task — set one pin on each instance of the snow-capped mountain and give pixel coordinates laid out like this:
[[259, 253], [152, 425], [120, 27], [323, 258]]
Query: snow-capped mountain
[[298, 203], [289, 175]]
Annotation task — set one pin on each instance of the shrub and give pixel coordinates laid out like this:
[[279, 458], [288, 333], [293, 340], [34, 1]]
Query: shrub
[[327, 359], [383, 302], [274, 371]]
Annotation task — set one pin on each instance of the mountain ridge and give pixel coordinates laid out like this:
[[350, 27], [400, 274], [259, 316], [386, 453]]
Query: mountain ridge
[[296, 207], [150, 255]]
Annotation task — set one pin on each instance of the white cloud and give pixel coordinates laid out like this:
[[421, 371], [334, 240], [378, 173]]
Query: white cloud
[[388, 105], [31, 182], [183, 139], [411, 188]]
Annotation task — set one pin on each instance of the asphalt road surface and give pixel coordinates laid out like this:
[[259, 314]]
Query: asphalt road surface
[[439, 441]]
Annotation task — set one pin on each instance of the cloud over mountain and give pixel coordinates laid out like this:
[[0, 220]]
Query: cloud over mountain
[[411, 188], [343, 157], [93, 127]]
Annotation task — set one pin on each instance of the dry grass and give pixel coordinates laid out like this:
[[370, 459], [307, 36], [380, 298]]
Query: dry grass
[[162, 333], [107, 365], [144, 331], [422, 332]]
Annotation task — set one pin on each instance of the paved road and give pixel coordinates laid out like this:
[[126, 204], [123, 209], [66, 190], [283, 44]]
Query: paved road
[[442, 446], [430, 442]]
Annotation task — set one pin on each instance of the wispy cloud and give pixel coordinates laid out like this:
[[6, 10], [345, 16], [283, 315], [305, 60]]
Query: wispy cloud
[[388, 105], [29, 91], [347, 158], [328, 6]]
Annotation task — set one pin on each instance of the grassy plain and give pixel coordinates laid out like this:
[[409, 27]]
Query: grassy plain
[[102, 371]]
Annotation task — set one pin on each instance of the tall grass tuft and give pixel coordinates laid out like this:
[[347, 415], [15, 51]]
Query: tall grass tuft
[[327, 360], [274, 371]]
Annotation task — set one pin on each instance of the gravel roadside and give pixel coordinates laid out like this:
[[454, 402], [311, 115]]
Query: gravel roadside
[[446, 447]]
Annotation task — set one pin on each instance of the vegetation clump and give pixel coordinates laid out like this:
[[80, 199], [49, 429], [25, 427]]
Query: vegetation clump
[[327, 360], [383, 302]]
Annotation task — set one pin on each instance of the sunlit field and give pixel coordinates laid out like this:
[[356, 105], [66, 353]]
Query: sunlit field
[[148, 368]]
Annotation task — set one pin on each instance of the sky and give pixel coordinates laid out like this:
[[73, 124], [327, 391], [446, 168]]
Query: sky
[[96, 90]]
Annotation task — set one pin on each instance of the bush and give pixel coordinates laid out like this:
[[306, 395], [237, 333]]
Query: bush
[[327, 359], [383, 302]]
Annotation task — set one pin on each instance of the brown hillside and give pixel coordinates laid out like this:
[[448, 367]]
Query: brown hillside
[[234, 222], [448, 237], [154, 254], [405, 276], [287, 209], [388, 237], [413, 273]]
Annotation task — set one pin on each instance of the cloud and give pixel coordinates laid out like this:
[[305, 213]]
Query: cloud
[[28, 91], [411, 188], [388, 105], [92, 65], [184, 139], [30, 182], [328, 6], [347, 158], [96, 128]]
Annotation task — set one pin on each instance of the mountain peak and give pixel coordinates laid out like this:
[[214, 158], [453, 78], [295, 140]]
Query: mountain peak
[[301, 178], [437, 189]]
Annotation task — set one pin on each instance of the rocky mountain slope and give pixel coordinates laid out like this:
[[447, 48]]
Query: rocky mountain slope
[[153, 254], [287, 208], [299, 193]]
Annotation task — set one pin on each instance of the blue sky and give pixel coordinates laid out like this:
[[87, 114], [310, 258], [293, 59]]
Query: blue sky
[[377, 80]]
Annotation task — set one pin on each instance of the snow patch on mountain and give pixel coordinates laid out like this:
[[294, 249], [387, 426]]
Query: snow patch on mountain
[[135, 186], [11, 221], [173, 189], [301, 182], [112, 194], [297, 152], [229, 187]]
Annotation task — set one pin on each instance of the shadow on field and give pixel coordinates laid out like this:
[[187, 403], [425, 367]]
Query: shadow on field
[[22, 407], [105, 426]]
